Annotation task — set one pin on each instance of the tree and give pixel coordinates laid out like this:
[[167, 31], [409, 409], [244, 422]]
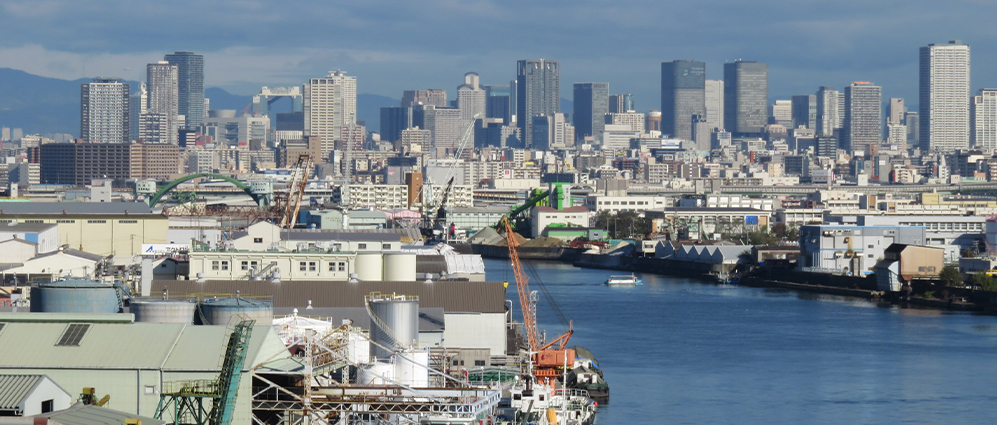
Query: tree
[[985, 281], [950, 276]]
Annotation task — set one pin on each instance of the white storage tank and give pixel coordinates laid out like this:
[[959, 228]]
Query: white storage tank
[[230, 311], [358, 348], [412, 368], [373, 373], [163, 311], [369, 266], [399, 267], [395, 324]]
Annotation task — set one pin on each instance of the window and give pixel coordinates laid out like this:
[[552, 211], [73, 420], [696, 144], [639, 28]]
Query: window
[[479, 362], [65, 221], [224, 265], [311, 266], [931, 269], [254, 265], [47, 406], [342, 267], [127, 221], [922, 269], [332, 266], [361, 246], [245, 265], [96, 221], [302, 266], [257, 240], [73, 334], [214, 265], [385, 246]]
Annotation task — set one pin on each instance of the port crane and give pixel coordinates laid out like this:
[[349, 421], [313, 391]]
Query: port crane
[[434, 217], [545, 358], [287, 204]]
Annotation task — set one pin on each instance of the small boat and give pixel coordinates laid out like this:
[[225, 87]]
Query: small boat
[[623, 280]]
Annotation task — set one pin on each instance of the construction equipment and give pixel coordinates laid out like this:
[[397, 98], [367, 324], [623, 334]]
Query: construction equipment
[[544, 359], [287, 204], [434, 229], [89, 397]]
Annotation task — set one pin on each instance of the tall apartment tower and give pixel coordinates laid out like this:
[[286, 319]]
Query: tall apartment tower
[[683, 95], [805, 111], [435, 97], [190, 87], [160, 122], [538, 91], [863, 126], [138, 104], [943, 99], [896, 112], [746, 92], [104, 111], [715, 104], [827, 111], [471, 98], [913, 122], [619, 103], [330, 105], [984, 114], [591, 106]]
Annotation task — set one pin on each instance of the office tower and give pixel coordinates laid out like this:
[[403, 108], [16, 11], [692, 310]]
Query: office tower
[[330, 107], [552, 132], [805, 111], [653, 122], [471, 98], [683, 94], [984, 114], [497, 101], [827, 146], [746, 92], [394, 119], [633, 120], [435, 97], [896, 134], [190, 87], [913, 123], [896, 111], [160, 122], [446, 125], [715, 104], [621, 103], [137, 104], [863, 125], [104, 111], [827, 111], [538, 91], [700, 132], [591, 106], [782, 113], [943, 99]]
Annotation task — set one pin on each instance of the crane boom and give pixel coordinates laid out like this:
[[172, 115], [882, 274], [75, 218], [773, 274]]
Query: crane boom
[[523, 287]]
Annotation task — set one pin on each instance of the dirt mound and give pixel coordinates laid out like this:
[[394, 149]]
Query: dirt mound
[[544, 242]]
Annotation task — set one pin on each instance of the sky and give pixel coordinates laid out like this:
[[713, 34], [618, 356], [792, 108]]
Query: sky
[[392, 46]]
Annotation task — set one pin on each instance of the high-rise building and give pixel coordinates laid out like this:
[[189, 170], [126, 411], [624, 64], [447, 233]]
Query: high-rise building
[[634, 120], [621, 103], [863, 126], [538, 91], [653, 122], [897, 110], [746, 91], [943, 99], [913, 123], [190, 87], [984, 114], [683, 94], [471, 98], [805, 111], [394, 119], [715, 104], [160, 122], [104, 111], [552, 132], [446, 125], [330, 105], [782, 113], [435, 97], [828, 119], [497, 101], [138, 105], [591, 104]]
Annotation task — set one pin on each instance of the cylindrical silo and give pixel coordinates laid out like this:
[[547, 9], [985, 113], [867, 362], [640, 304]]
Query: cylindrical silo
[[395, 324], [369, 266], [75, 296], [399, 267], [163, 311], [230, 311], [412, 368]]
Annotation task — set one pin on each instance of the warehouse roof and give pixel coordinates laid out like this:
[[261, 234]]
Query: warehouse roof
[[75, 208], [26, 227], [14, 388], [82, 414], [452, 296]]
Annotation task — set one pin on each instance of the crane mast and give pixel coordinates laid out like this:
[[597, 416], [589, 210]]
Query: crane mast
[[523, 287]]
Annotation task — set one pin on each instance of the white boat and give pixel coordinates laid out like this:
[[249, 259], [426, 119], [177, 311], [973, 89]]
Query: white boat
[[543, 405], [623, 280]]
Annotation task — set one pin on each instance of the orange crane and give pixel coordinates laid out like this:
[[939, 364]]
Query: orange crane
[[546, 358]]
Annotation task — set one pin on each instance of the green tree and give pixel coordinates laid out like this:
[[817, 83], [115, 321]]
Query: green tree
[[950, 276], [985, 281]]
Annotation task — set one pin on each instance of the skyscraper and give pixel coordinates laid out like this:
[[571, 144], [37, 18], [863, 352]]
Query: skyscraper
[[715, 104], [782, 113], [984, 115], [159, 124], [139, 103], [435, 97], [330, 105], [863, 126], [897, 110], [104, 111], [805, 111], [621, 103], [827, 111], [943, 99], [591, 102], [471, 98], [746, 91], [538, 91], [497, 103], [683, 95], [190, 87]]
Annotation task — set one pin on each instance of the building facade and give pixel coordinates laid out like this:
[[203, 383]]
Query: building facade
[[105, 111], [863, 125], [330, 105], [984, 114], [190, 87], [943, 100], [805, 111], [591, 104], [683, 94], [160, 123], [745, 97], [538, 91]]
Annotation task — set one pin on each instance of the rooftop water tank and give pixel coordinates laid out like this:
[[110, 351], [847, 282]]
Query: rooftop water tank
[[395, 323], [369, 266], [163, 311], [230, 311], [76, 296], [399, 267]]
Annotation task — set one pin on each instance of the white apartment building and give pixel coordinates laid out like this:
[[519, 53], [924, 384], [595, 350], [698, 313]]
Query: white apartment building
[[984, 116], [944, 96], [330, 103], [394, 196], [615, 204], [105, 111], [162, 122], [635, 120]]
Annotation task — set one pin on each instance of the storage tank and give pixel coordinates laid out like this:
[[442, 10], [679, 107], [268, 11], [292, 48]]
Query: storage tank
[[75, 296], [395, 323], [229, 311], [412, 368], [163, 311], [368, 266], [373, 373], [399, 266]]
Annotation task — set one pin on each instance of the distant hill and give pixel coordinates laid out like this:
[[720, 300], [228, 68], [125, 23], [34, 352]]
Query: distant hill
[[45, 105]]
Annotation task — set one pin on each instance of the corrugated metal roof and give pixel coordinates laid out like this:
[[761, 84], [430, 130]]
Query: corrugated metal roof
[[81, 414], [26, 227], [430, 319], [452, 296], [75, 208], [14, 388]]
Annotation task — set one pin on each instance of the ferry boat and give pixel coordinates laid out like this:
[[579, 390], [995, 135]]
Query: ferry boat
[[623, 280]]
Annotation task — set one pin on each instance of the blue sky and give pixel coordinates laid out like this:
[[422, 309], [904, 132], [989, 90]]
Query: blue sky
[[395, 45]]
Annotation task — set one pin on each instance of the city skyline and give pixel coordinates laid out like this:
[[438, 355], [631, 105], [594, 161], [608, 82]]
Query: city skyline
[[803, 50]]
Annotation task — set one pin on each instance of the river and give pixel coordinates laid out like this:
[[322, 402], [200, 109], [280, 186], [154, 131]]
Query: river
[[680, 351]]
